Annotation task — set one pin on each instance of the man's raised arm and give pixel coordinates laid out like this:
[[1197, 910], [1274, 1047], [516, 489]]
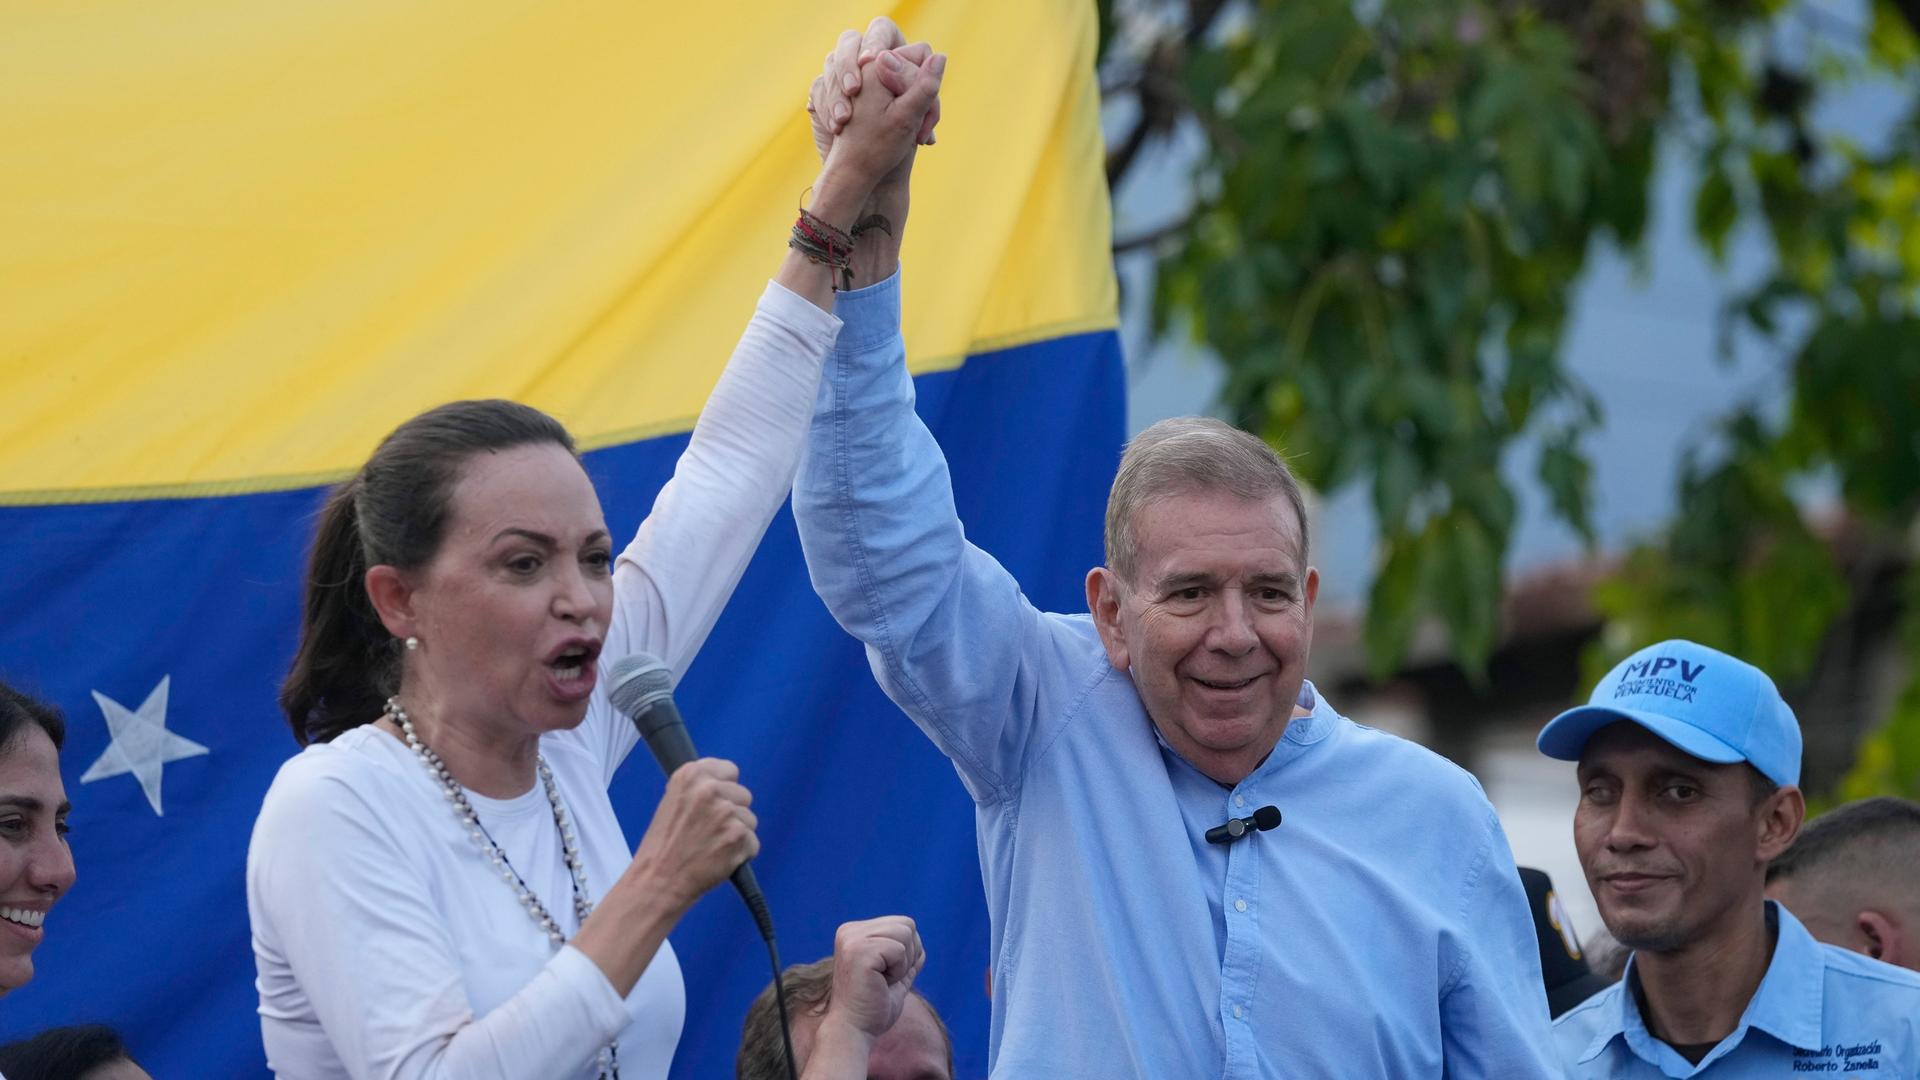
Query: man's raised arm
[[951, 638]]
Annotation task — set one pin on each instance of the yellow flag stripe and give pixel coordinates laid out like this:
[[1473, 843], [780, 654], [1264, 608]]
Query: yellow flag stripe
[[244, 241]]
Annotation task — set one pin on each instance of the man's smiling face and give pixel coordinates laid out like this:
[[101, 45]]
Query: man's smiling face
[[1216, 625]]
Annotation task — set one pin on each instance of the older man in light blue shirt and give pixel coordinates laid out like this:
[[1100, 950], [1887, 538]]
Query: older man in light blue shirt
[[1380, 930], [1689, 762]]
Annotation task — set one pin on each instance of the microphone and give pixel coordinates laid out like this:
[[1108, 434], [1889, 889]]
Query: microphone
[[1262, 819], [641, 688]]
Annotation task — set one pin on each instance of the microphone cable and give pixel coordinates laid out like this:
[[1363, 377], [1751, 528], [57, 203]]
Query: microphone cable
[[641, 688], [762, 918]]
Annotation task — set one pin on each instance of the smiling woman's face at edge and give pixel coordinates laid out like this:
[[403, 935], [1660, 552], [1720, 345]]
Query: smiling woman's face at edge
[[36, 866]]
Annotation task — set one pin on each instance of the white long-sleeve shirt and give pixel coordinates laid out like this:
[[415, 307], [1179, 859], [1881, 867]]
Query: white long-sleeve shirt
[[386, 943]]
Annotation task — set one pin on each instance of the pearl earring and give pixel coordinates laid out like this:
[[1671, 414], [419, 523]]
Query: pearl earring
[[413, 644]]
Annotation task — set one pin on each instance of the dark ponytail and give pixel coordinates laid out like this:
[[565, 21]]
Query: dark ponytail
[[393, 512], [346, 658]]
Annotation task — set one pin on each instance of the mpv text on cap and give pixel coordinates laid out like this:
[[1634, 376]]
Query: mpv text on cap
[[1713, 706]]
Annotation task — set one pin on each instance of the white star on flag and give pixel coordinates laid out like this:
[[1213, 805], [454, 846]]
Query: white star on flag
[[141, 744]]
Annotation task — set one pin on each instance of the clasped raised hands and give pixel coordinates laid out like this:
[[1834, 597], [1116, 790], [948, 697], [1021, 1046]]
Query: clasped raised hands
[[877, 99]]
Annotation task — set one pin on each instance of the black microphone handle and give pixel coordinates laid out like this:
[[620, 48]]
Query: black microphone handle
[[748, 887], [666, 735]]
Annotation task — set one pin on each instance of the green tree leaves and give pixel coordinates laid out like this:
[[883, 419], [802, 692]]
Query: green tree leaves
[[1401, 206], [1395, 201]]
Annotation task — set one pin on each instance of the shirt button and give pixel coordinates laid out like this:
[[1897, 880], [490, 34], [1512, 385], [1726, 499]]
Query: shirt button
[[1238, 1012], [1239, 800], [1239, 905]]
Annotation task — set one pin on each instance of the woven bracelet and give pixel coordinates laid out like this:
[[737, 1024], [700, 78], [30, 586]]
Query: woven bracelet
[[823, 244]]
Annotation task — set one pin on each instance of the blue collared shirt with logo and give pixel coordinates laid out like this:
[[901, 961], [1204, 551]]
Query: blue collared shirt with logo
[[1820, 1011]]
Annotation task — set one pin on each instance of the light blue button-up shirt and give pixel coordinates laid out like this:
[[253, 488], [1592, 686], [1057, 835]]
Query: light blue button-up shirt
[[1820, 1011], [1380, 931]]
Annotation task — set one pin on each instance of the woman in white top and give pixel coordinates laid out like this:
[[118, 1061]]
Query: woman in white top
[[438, 886]]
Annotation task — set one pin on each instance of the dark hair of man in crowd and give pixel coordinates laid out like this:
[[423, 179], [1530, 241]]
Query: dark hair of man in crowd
[[65, 1053], [809, 990], [393, 512], [18, 712], [1846, 834]]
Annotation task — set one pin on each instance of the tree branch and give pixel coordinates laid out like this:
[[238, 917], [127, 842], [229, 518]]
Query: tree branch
[[1910, 11], [1158, 86], [1200, 17], [1120, 158], [1153, 236]]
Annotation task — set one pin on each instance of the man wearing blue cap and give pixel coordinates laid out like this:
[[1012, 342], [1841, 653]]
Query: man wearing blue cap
[[1689, 766]]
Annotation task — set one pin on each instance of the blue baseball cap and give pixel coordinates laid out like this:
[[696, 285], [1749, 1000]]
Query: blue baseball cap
[[1706, 703]]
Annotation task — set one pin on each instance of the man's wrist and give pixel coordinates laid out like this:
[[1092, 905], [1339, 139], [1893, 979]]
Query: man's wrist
[[876, 250], [889, 200], [839, 1048]]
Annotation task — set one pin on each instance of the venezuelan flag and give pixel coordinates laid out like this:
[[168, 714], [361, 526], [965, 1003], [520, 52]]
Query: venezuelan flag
[[243, 241]]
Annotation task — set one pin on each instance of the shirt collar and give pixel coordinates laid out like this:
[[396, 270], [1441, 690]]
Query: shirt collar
[[1617, 1021], [1302, 731], [1312, 727], [1787, 1004]]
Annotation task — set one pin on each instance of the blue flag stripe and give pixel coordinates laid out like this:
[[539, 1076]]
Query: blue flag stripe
[[860, 815]]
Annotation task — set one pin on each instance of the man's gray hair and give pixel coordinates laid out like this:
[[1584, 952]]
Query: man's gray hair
[[1190, 454]]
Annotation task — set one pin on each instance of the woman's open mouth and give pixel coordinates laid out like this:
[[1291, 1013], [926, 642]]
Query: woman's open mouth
[[571, 670]]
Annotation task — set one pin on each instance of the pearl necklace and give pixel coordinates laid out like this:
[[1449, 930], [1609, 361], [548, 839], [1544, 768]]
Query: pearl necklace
[[609, 1058]]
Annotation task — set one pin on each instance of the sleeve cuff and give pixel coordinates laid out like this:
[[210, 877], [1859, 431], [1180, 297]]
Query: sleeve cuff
[[790, 309], [870, 316], [606, 1010]]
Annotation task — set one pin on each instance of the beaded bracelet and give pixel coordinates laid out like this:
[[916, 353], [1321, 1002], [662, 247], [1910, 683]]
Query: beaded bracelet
[[823, 244]]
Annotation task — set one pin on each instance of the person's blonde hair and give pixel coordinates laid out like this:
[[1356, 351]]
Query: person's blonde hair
[[1192, 454]]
